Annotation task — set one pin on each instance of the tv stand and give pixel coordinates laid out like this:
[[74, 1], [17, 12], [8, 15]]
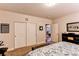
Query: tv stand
[[74, 37]]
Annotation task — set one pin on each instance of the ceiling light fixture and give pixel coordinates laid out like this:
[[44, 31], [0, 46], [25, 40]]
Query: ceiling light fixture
[[50, 4]]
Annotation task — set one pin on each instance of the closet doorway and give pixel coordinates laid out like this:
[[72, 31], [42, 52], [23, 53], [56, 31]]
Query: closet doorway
[[31, 34], [20, 34], [25, 34]]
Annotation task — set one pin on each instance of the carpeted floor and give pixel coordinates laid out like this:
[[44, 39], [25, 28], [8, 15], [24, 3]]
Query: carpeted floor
[[19, 52], [24, 50]]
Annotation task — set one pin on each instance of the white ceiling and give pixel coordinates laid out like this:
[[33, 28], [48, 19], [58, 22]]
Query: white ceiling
[[39, 9]]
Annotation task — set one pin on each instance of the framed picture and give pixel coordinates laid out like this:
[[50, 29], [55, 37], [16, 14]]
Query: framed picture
[[73, 27], [40, 28], [4, 28]]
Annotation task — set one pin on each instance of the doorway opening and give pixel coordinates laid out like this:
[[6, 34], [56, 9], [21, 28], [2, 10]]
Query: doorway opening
[[48, 30]]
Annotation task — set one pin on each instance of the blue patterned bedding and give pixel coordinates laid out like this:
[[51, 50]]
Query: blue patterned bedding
[[57, 49]]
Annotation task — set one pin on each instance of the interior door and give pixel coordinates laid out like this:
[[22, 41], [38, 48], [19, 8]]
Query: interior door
[[31, 34], [20, 34], [55, 32]]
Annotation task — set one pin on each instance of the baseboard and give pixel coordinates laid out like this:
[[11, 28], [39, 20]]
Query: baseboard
[[10, 49]]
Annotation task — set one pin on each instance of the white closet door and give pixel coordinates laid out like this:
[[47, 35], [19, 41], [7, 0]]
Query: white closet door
[[55, 32], [20, 35], [31, 34]]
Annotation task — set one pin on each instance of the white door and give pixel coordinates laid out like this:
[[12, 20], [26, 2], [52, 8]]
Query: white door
[[31, 34], [55, 32], [20, 34]]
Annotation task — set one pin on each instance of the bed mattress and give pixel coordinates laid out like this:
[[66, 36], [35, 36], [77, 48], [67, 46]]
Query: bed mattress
[[57, 49]]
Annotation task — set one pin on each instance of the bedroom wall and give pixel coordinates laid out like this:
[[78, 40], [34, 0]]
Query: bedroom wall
[[11, 17], [62, 21]]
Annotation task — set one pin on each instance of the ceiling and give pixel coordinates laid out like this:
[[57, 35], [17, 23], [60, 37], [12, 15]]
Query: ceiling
[[41, 10]]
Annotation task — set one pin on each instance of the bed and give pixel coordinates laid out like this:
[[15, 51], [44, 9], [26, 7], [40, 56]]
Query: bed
[[57, 49]]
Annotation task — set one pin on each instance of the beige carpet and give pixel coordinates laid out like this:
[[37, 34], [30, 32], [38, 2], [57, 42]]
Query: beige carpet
[[19, 52], [24, 50]]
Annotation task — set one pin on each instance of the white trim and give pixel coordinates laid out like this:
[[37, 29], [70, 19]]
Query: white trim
[[10, 49]]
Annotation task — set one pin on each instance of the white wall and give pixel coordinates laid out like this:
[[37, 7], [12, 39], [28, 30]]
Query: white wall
[[62, 21], [10, 17]]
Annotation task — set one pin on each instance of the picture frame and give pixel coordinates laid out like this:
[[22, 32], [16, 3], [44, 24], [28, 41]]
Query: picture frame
[[73, 27], [4, 28], [41, 28]]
